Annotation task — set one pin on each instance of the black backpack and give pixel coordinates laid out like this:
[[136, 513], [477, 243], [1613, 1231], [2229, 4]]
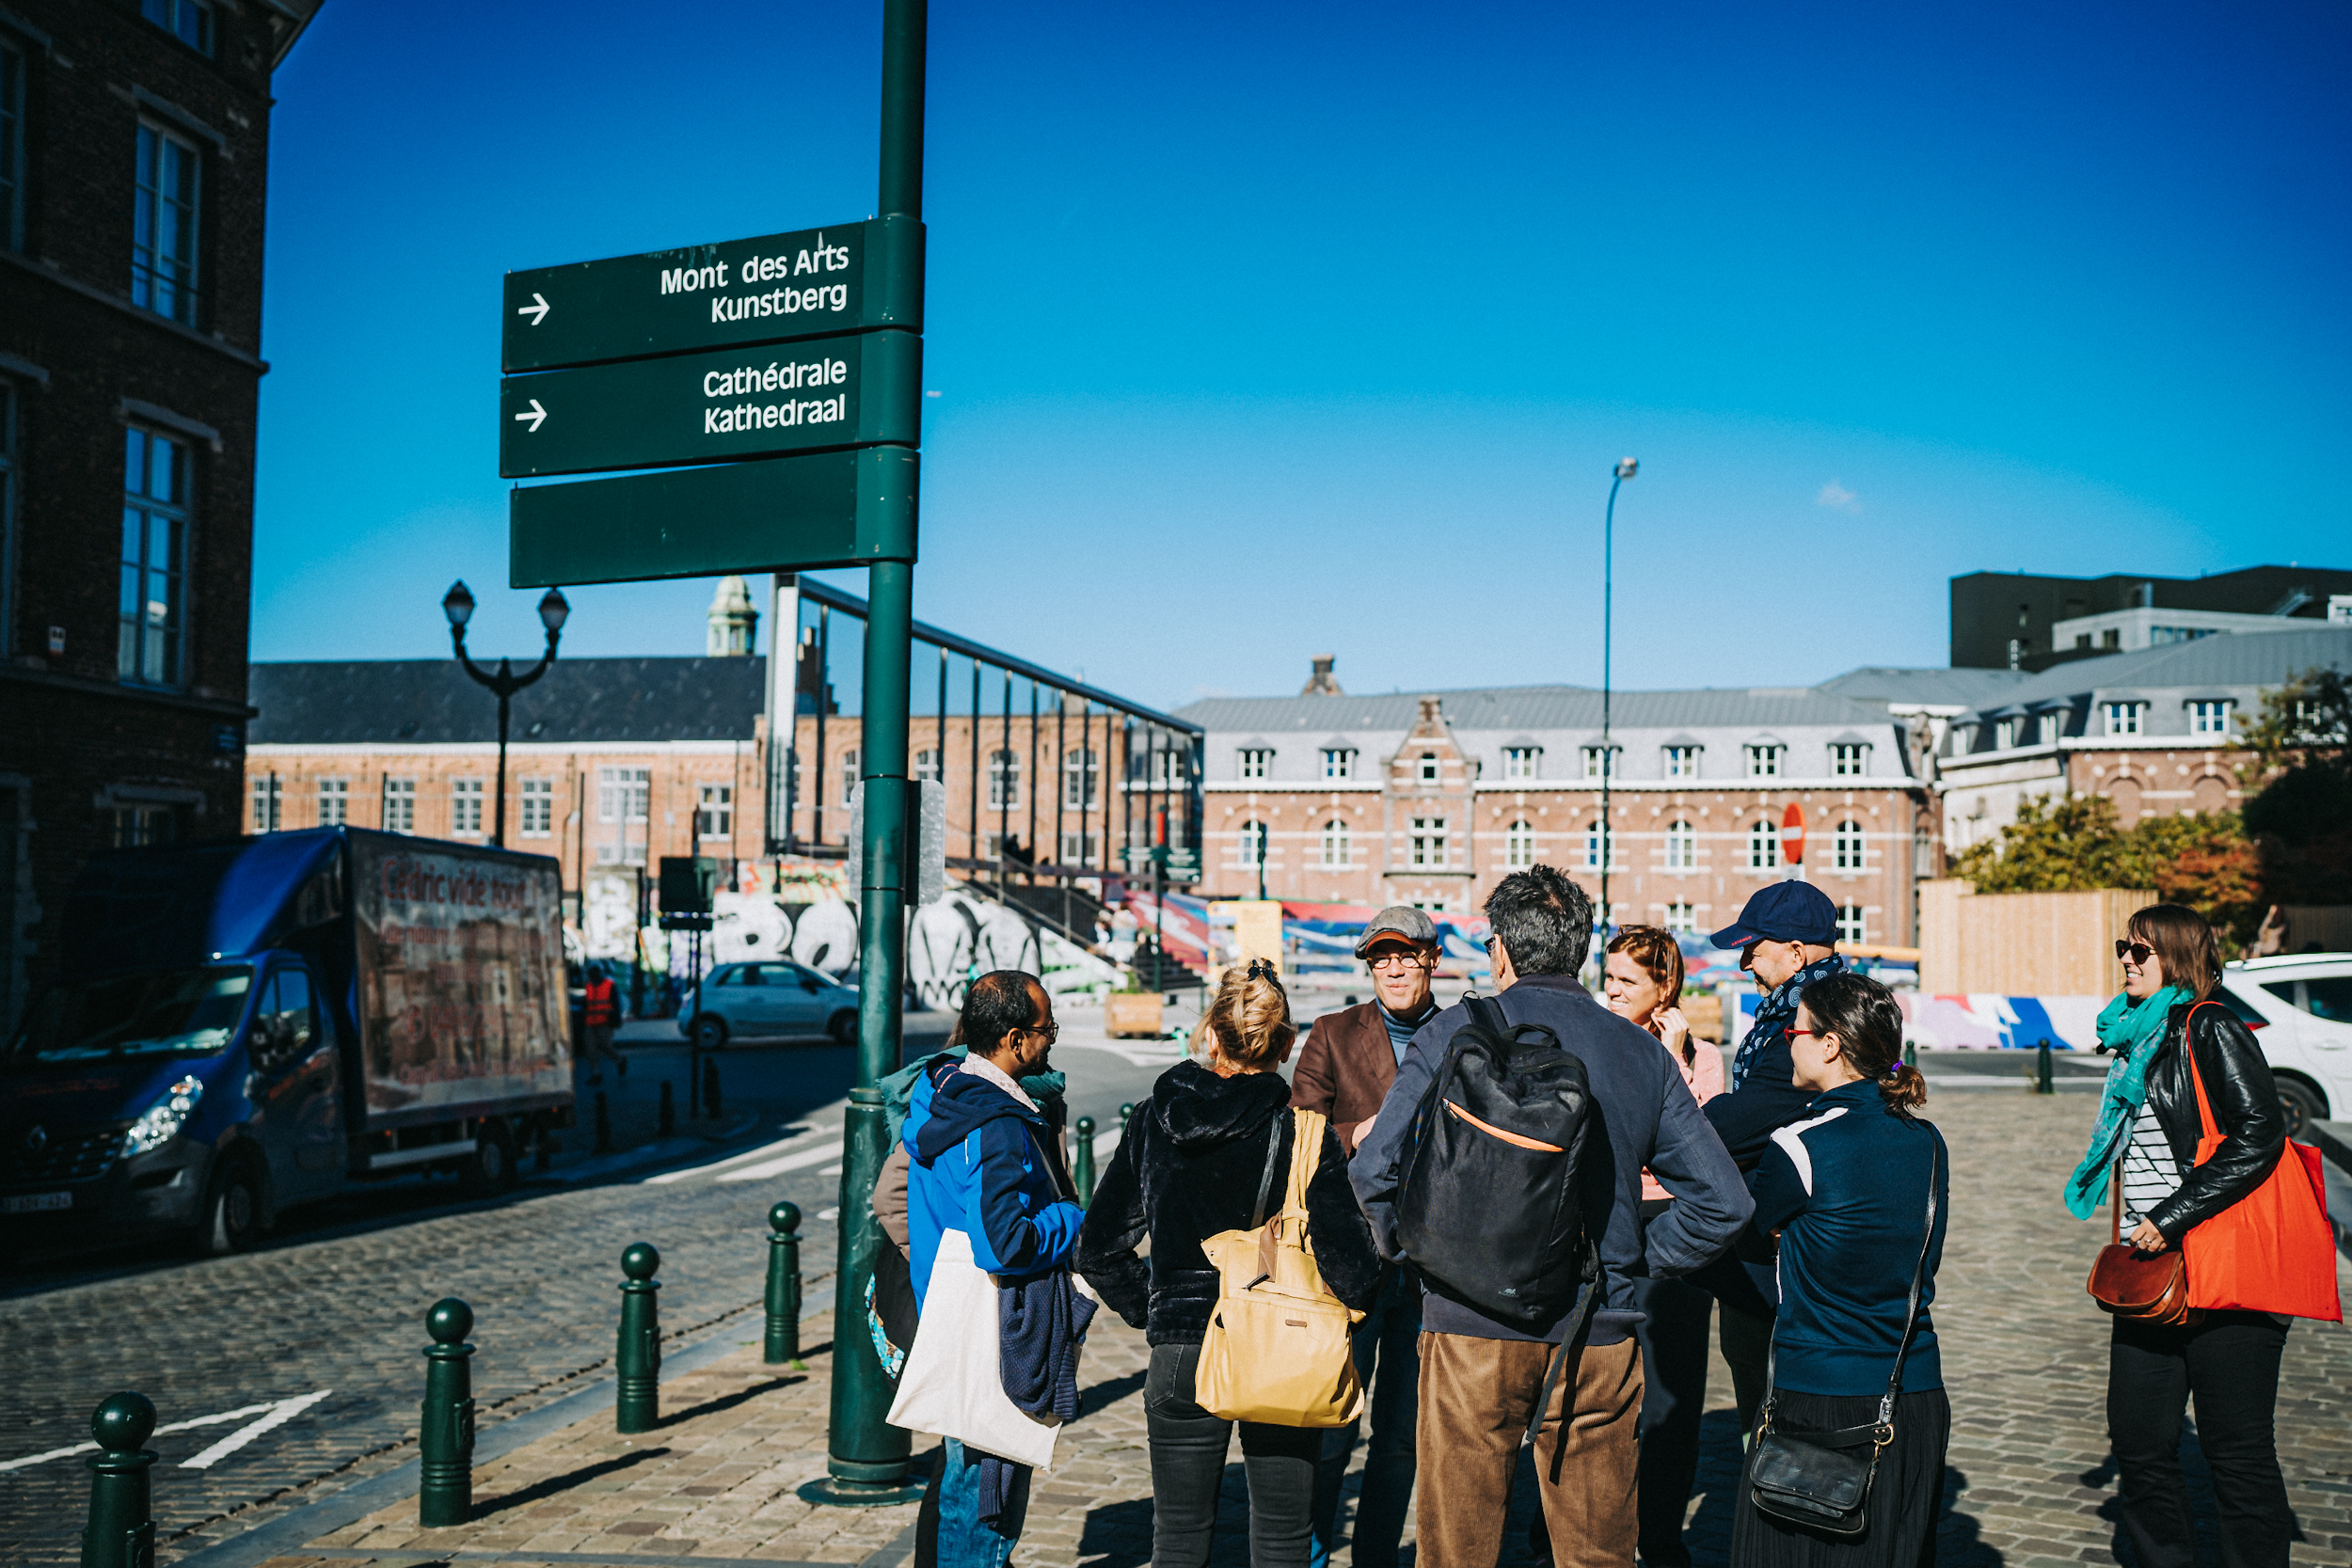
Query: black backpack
[[1489, 1207]]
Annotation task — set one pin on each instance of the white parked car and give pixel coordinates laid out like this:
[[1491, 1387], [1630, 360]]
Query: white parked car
[[2300, 1009]]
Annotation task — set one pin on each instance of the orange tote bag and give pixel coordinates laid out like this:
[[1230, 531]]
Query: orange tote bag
[[2272, 1250]]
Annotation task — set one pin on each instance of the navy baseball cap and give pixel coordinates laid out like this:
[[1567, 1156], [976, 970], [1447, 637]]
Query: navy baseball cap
[[1784, 912]]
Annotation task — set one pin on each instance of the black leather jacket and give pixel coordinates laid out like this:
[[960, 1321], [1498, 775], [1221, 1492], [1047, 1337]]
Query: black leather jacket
[[2245, 1104]]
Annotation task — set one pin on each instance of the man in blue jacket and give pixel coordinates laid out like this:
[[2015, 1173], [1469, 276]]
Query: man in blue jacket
[[978, 1163], [1480, 1378]]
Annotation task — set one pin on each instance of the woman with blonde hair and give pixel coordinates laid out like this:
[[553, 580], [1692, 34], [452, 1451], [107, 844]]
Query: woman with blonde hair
[[2165, 1040], [1195, 1161]]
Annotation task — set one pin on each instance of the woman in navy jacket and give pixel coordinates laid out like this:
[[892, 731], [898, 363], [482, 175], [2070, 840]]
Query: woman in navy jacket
[[1845, 1190]]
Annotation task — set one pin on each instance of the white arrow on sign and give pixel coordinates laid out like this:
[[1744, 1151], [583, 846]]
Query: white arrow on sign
[[536, 313], [535, 416]]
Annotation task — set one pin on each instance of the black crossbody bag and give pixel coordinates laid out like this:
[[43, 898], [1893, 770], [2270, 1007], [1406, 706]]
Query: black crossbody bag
[[1823, 1479]]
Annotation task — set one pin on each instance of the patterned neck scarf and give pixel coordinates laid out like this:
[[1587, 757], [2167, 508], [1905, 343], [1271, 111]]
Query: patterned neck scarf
[[1776, 1012], [2131, 1031]]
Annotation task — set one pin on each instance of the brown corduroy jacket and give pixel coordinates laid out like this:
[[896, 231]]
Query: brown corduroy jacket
[[1347, 1069]]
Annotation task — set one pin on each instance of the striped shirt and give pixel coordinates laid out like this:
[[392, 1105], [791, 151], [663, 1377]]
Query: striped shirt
[[2150, 1174]]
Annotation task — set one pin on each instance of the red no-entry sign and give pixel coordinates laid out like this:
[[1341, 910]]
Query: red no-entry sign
[[1792, 835]]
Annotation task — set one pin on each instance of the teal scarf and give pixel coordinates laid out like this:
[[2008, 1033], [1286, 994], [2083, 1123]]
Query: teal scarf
[[2131, 1031]]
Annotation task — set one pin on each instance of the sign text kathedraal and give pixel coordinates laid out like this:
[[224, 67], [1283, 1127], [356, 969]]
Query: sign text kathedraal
[[772, 289]]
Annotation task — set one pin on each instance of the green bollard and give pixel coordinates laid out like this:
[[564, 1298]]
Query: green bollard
[[604, 1125], [711, 1089], [1082, 1168], [669, 1111], [1126, 1115], [637, 1356], [121, 1530], [2043, 1072], [445, 1425], [783, 1285]]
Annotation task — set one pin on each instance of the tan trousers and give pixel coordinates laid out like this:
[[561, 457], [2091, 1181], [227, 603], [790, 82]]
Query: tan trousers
[[1477, 1396]]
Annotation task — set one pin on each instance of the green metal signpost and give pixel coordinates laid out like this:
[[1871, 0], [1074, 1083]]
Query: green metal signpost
[[736, 355]]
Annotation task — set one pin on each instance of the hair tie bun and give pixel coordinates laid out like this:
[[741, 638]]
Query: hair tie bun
[[1260, 969]]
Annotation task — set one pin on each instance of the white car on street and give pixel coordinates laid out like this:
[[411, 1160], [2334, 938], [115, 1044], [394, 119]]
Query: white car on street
[[2300, 1009]]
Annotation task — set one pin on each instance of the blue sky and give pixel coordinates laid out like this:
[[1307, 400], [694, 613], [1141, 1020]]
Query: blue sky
[[1266, 331]]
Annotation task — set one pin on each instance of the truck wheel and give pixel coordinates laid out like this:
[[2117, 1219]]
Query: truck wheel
[[489, 1170], [232, 1211], [2302, 1104], [711, 1031], [843, 1027]]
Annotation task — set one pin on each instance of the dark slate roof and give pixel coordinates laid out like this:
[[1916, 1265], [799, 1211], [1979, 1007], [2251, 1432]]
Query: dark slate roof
[[2225, 659], [420, 700], [1960, 688], [1532, 707]]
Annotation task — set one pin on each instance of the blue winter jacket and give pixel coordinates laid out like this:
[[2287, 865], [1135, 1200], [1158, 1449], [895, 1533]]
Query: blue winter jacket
[[977, 1164]]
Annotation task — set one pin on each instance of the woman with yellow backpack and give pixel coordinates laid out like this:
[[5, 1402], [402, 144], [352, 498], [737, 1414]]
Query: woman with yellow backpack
[[1260, 1260]]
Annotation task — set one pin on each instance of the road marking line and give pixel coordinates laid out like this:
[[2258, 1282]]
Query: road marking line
[[790, 1162], [166, 1430], [669, 1176], [287, 1410]]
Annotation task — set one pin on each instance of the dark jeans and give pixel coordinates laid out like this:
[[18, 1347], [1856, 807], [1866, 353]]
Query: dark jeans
[[2230, 1363], [1388, 1337], [1189, 1447], [1673, 1337]]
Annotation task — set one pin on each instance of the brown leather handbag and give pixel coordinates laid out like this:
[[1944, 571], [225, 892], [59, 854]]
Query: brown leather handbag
[[2151, 1287]]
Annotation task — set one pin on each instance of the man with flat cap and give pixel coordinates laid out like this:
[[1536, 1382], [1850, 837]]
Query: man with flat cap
[[1349, 1061]]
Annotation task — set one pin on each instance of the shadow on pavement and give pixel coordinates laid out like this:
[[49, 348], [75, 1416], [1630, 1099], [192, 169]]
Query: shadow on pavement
[[552, 1485]]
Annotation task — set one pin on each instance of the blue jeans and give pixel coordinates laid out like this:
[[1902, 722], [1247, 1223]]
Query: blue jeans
[[1389, 1335], [963, 1540]]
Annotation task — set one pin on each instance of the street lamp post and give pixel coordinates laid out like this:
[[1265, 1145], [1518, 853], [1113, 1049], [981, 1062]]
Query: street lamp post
[[457, 604], [1627, 468]]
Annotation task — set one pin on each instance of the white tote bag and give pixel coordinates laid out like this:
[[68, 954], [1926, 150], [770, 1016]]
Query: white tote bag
[[952, 1384]]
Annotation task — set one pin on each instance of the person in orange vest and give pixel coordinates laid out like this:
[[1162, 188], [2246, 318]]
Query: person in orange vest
[[600, 1014]]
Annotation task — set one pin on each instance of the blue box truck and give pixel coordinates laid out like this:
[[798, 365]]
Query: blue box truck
[[245, 1025]]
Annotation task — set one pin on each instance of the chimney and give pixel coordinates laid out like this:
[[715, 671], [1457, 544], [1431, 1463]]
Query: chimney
[[1322, 684]]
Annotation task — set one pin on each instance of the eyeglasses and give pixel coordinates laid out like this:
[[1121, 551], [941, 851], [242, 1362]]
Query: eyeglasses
[[1052, 1032], [1396, 960], [1817, 1033], [2137, 951]]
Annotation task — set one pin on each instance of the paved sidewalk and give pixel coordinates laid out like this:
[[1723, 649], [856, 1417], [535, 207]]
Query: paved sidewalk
[[2030, 1482]]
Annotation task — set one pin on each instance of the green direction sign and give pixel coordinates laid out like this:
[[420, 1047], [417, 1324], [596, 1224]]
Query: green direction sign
[[770, 289], [789, 513], [712, 407]]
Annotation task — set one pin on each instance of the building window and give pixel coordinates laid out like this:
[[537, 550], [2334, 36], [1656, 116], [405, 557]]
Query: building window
[[1519, 845], [1338, 762], [1763, 847], [1079, 770], [1601, 759], [154, 547], [465, 808], [1851, 928], [1764, 761], [714, 813], [1427, 841], [2004, 734], [1521, 762], [136, 826], [849, 780], [1682, 762], [400, 805], [11, 146], [189, 21], [1594, 848], [1846, 846], [1253, 845], [1681, 918], [334, 802], [2209, 718], [268, 799], [538, 808], [625, 801], [1004, 781], [1338, 844], [1682, 847], [1077, 848], [163, 226], [1429, 768], [1848, 761], [926, 766], [2124, 718], [1255, 763]]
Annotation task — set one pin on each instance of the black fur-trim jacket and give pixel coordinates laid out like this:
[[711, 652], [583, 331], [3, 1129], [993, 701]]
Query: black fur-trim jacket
[[2245, 1108], [1187, 1167]]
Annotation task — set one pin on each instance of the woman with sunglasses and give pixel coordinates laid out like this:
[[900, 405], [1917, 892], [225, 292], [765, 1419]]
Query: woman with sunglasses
[[2147, 1138]]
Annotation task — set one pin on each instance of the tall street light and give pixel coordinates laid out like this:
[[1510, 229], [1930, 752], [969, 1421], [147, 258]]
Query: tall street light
[[1627, 468], [457, 604]]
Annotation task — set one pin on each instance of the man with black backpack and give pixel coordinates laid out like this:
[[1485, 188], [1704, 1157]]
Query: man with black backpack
[[1505, 1165]]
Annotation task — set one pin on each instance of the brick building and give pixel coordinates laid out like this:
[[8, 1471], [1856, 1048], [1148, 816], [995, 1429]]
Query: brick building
[[134, 164], [1431, 798]]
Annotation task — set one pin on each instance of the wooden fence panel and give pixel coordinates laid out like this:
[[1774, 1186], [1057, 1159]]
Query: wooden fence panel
[[2022, 943]]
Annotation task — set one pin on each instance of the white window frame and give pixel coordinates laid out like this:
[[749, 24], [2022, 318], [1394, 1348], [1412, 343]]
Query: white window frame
[[1681, 918], [1522, 762], [2004, 734], [1429, 768], [714, 810], [1338, 762], [1256, 762], [1594, 833], [1519, 845], [926, 766], [334, 799], [1765, 760], [849, 778], [1077, 848], [1081, 773], [1854, 925], [1847, 849], [1251, 839], [1426, 845], [1338, 845], [2125, 718], [269, 802], [465, 808], [2211, 717], [1004, 780], [537, 808], [400, 805], [1593, 760], [1850, 759], [1682, 762], [1682, 845], [1764, 846]]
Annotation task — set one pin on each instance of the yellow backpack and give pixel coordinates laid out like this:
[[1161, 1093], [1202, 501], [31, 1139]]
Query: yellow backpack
[[1276, 1347]]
